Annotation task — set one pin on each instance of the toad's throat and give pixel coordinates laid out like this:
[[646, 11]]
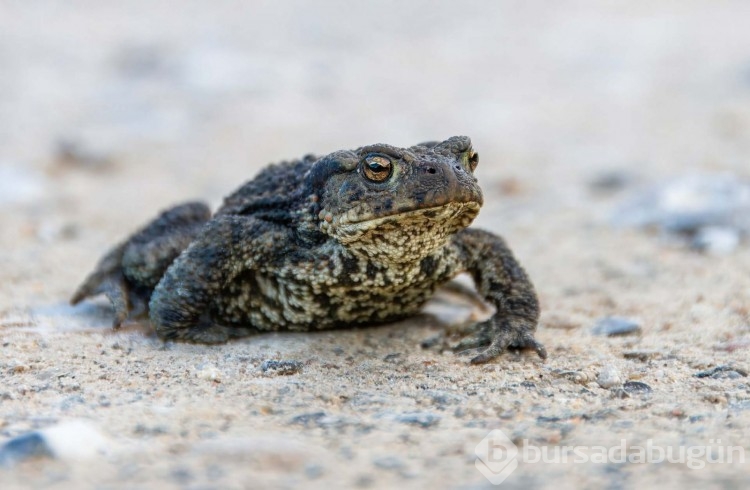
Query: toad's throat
[[405, 236]]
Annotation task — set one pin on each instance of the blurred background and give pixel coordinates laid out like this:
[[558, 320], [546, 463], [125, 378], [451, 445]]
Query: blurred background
[[229, 84], [111, 110]]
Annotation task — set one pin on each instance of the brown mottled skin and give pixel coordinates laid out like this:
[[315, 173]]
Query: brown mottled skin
[[353, 238]]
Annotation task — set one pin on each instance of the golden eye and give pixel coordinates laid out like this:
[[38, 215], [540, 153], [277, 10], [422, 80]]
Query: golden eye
[[377, 168]]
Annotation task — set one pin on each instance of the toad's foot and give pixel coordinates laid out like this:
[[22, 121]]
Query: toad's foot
[[111, 283], [497, 335], [129, 272]]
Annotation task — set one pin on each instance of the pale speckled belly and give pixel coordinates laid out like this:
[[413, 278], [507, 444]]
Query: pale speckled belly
[[338, 292]]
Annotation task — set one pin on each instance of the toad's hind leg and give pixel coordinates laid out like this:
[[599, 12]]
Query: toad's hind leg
[[205, 331], [184, 305], [128, 274]]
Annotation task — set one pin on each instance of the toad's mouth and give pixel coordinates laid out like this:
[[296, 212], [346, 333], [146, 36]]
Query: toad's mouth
[[443, 220]]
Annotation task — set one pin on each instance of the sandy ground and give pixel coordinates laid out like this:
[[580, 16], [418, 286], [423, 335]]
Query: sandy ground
[[111, 112]]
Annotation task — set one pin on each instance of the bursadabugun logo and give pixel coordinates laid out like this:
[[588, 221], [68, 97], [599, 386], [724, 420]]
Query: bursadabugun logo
[[496, 457]]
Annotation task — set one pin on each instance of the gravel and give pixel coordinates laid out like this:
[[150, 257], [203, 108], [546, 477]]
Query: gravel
[[613, 326]]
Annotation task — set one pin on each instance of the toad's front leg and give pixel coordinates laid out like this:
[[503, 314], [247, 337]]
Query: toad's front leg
[[501, 281], [226, 247]]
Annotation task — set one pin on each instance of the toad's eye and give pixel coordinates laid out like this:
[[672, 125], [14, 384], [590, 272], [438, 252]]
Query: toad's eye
[[473, 160], [377, 168]]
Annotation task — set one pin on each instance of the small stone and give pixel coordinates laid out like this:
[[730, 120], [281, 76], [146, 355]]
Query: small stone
[[150, 430], [19, 368], [636, 388], [642, 355], [677, 413], [422, 419], [364, 481], [722, 372], [389, 463], [24, 447], [209, 372], [715, 398], [308, 419], [612, 326], [608, 377], [182, 475], [623, 424], [76, 440], [431, 341], [716, 240], [142, 61], [442, 398], [281, 368], [313, 471], [393, 357], [610, 181], [690, 202], [579, 377]]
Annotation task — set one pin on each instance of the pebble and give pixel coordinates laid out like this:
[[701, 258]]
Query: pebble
[[143, 61], [643, 355], [209, 372], [394, 357], [442, 398], [611, 181], [579, 377], [432, 341], [24, 447], [612, 326], [711, 212], [716, 240], [308, 419], [608, 377], [389, 463], [313, 471], [282, 368], [181, 475], [722, 372], [636, 388], [150, 430], [422, 419], [74, 440]]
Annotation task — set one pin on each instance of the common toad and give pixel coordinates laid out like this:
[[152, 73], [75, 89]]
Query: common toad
[[353, 238]]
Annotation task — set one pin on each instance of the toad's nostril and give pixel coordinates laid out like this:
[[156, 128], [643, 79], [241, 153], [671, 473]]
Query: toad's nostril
[[431, 170]]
